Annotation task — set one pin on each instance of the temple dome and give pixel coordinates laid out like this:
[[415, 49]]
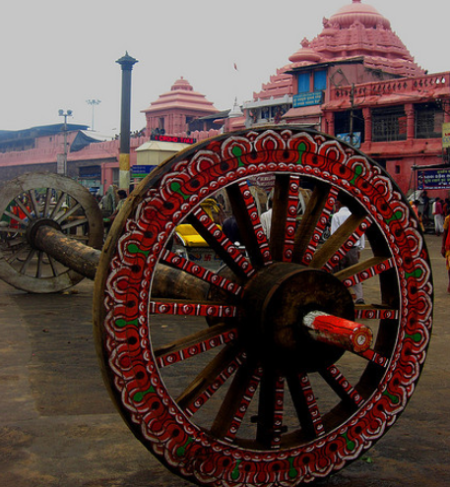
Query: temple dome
[[356, 30], [305, 54], [367, 15], [181, 84]]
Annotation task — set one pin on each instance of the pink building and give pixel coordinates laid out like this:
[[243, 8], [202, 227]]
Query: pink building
[[180, 111], [355, 80]]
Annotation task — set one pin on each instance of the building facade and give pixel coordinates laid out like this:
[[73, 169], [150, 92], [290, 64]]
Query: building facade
[[355, 80]]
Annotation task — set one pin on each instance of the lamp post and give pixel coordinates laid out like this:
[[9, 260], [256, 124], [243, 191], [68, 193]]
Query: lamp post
[[93, 104], [65, 114]]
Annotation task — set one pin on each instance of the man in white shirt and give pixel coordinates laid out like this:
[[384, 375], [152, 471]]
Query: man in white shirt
[[353, 255], [266, 219]]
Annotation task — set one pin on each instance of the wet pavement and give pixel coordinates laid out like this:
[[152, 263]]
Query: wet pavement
[[58, 427]]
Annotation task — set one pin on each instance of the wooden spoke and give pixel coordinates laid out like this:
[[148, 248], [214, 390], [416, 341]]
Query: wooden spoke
[[341, 386], [306, 405], [313, 223], [39, 267], [29, 258], [20, 204], [196, 270], [16, 254], [191, 308], [197, 343], [237, 401], [210, 379], [62, 198], [376, 312], [16, 218], [34, 203], [374, 357], [74, 224], [364, 270], [250, 228], [322, 257], [217, 240], [284, 217], [66, 215], [52, 263], [270, 409], [48, 199], [11, 230]]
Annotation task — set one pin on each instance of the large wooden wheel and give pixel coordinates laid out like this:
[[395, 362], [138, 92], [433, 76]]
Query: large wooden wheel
[[231, 387], [35, 200]]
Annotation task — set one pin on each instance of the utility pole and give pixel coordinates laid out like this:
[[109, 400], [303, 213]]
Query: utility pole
[[352, 114], [67, 113]]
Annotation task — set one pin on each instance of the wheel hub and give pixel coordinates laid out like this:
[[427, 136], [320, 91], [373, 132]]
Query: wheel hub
[[275, 302]]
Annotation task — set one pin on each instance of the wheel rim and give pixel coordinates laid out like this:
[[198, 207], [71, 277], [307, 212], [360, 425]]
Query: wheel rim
[[239, 417], [38, 199]]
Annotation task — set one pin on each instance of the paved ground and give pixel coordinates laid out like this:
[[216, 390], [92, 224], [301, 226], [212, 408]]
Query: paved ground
[[58, 427]]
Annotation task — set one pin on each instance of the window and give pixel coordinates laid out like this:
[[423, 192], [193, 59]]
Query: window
[[303, 82], [428, 120], [320, 80], [388, 124], [342, 123]]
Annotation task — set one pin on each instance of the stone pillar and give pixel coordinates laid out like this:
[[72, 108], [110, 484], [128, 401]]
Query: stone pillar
[[126, 62], [367, 114], [410, 128]]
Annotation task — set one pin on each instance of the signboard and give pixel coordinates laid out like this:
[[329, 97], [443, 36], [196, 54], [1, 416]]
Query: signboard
[[204, 256], [266, 181], [307, 99], [170, 138], [433, 179], [140, 171], [445, 135], [354, 140], [60, 163]]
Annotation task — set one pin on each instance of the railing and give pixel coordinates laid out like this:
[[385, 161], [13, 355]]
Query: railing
[[405, 86]]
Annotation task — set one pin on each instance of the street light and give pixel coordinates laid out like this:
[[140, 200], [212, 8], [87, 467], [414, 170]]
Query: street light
[[93, 104], [67, 113]]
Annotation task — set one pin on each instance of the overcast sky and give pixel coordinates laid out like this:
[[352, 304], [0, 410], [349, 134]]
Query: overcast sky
[[57, 54]]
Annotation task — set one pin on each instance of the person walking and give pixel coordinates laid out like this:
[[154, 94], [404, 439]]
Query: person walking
[[353, 255], [266, 219], [446, 248], [438, 214]]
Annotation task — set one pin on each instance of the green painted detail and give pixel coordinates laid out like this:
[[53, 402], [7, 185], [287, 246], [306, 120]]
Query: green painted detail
[[416, 338], [418, 273], [176, 188], [351, 445], [301, 150], [139, 396], [237, 152], [134, 249], [358, 172], [293, 472], [121, 323], [396, 216], [394, 399], [235, 472], [181, 451]]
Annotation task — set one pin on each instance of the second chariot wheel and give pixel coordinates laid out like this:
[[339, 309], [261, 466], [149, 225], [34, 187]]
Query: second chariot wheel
[[35, 200], [232, 386]]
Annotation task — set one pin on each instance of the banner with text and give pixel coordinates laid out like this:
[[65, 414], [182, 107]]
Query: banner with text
[[433, 179]]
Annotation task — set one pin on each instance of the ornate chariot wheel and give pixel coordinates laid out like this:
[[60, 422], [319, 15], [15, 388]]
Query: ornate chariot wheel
[[35, 200], [228, 385]]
